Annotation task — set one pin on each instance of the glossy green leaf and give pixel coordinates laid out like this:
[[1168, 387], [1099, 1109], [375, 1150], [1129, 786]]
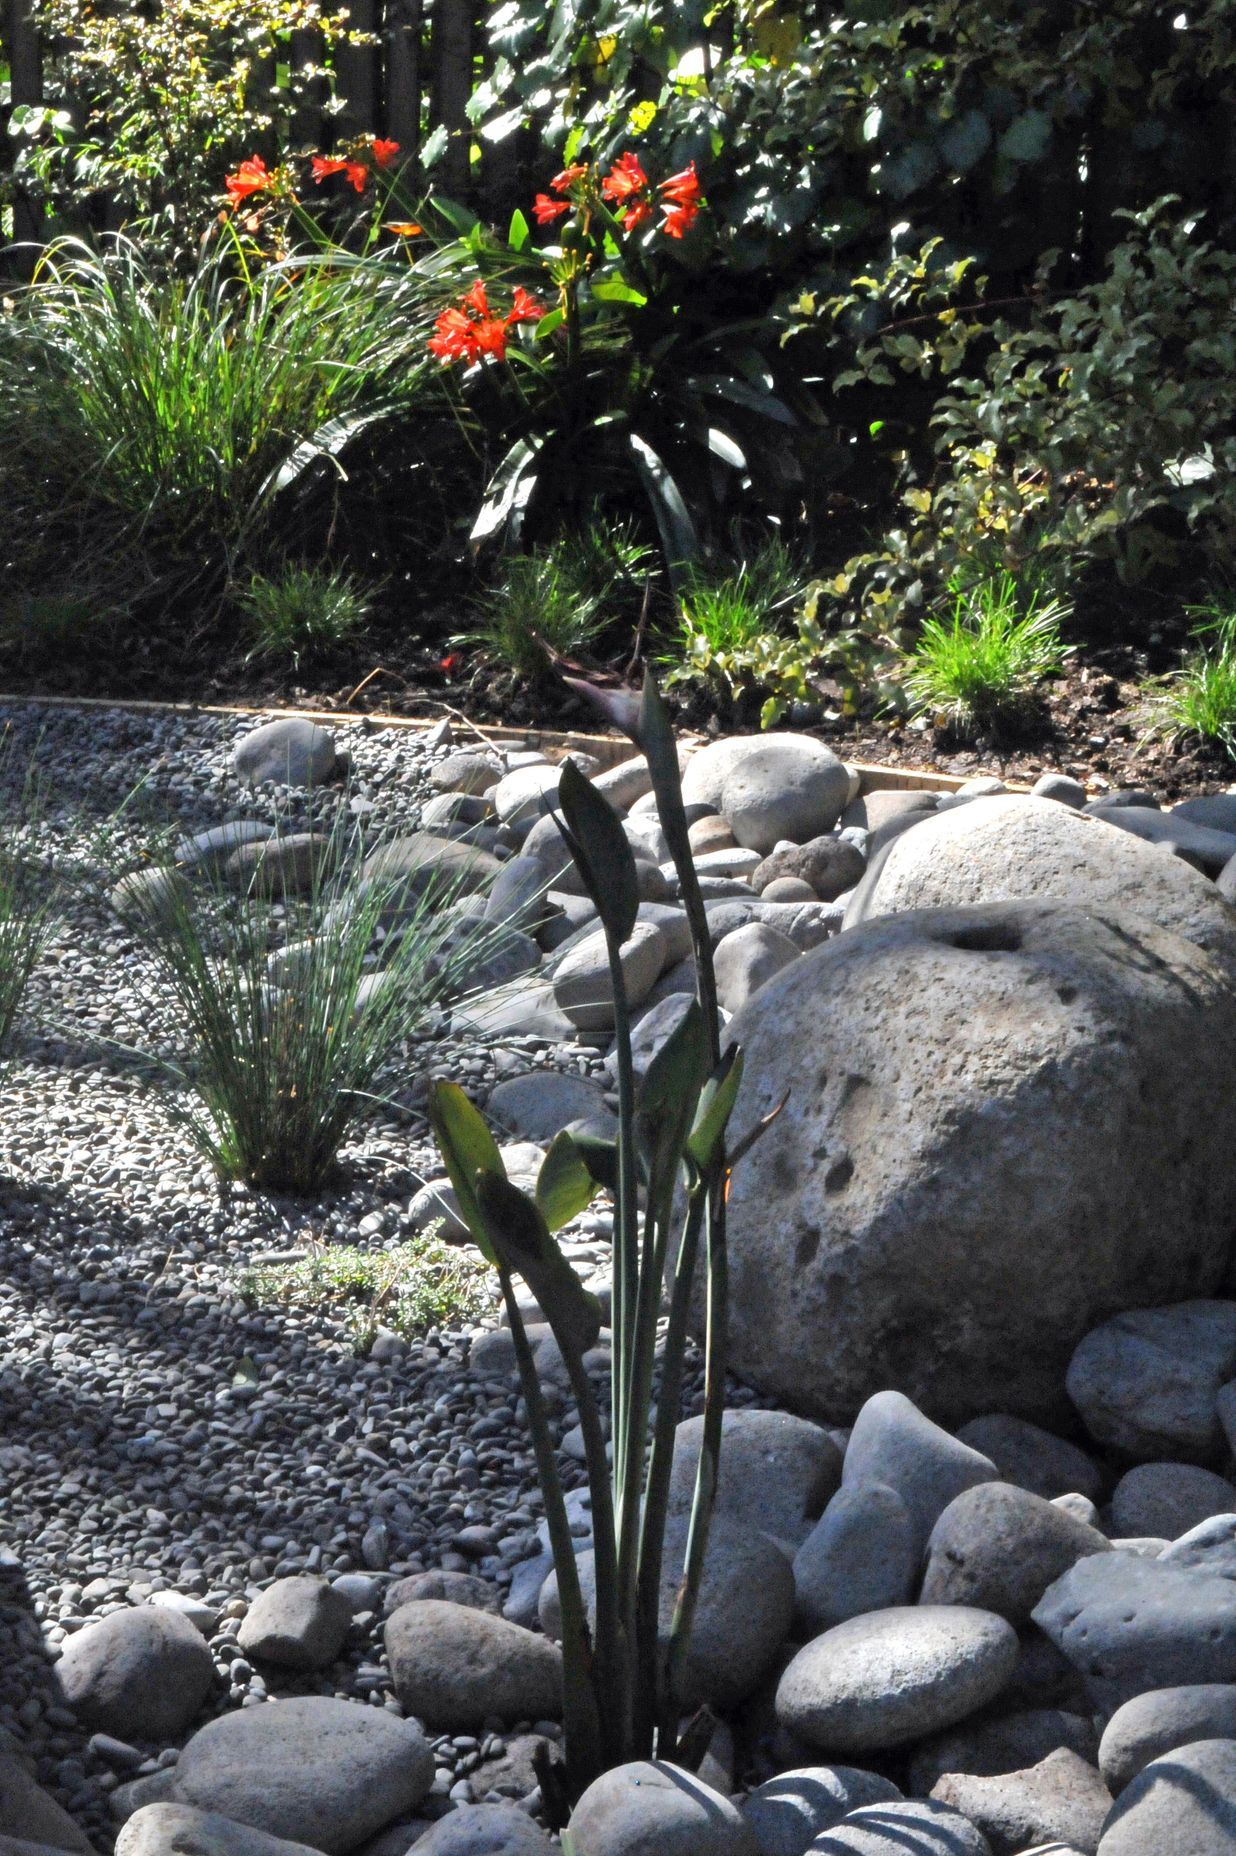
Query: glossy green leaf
[[564, 1186], [467, 1148]]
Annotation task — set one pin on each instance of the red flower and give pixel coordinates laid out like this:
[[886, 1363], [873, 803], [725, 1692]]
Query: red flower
[[476, 298], [636, 215], [524, 307], [453, 340], [323, 166], [562, 183], [384, 153], [682, 189], [625, 179], [251, 176], [678, 220], [545, 210]]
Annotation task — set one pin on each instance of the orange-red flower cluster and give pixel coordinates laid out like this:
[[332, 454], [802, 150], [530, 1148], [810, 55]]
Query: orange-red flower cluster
[[629, 191], [470, 330]]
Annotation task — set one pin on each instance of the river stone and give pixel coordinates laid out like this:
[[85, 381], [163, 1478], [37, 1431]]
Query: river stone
[[141, 1673], [651, 1808], [894, 1443], [1160, 1720], [1128, 1624], [1033, 1458], [296, 1623], [894, 1676], [485, 1830], [998, 850], [581, 982], [27, 1812], [748, 958], [1168, 1499], [1002, 1743], [918, 1827], [1208, 1547], [1062, 1797], [453, 1667], [777, 1471], [783, 786], [999, 1548], [287, 752], [310, 1769], [1146, 1382], [1075, 1153], [1183, 1804], [862, 1555], [788, 1812], [742, 1616], [183, 1830]]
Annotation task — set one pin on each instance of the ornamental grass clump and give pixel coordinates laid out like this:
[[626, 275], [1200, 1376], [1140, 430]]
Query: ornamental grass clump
[[984, 665], [284, 1021], [666, 1171]]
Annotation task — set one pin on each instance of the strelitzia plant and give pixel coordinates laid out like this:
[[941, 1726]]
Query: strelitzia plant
[[666, 1170]]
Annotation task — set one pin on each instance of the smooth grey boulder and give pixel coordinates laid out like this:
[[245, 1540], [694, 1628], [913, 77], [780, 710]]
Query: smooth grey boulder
[[999, 1547], [581, 983], [1208, 1547], [1206, 849], [788, 1812], [651, 1808], [1147, 1381], [746, 959], [1154, 1723], [1001, 849], [862, 1555], [1183, 1804], [999, 1743], [28, 1813], [287, 752], [917, 1827], [539, 1105], [310, 1769], [1033, 1458], [453, 1667], [777, 1471], [742, 1616], [296, 1623], [1128, 1624], [1168, 1499], [894, 1676], [183, 1830], [1075, 1153], [892, 1442], [784, 786], [485, 1830], [141, 1674], [1063, 1797]]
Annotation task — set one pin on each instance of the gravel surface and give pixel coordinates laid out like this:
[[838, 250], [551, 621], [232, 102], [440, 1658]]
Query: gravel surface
[[156, 1433]]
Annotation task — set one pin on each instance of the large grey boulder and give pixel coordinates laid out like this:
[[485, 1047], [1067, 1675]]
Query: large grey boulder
[[1152, 1724], [999, 1547], [1183, 1804], [140, 1674], [453, 1667], [1146, 1382], [787, 1813], [1000, 1125], [183, 1830], [289, 751], [894, 1676], [1005, 849], [1129, 1624], [311, 1770], [651, 1808]]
